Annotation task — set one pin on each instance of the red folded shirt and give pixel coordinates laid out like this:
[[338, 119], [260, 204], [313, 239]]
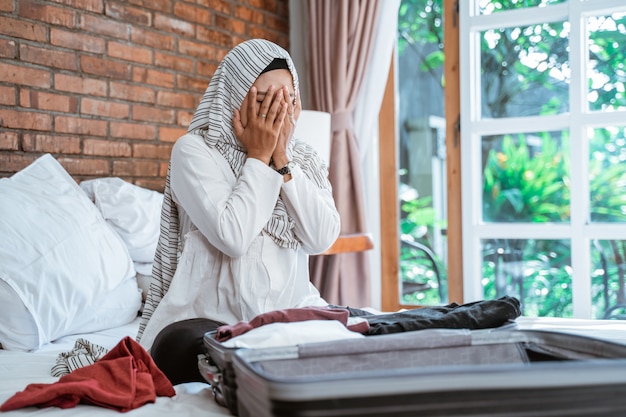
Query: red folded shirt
[[288, 315], [124, 379]]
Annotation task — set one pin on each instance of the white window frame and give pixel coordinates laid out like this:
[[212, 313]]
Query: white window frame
[[579, 231]]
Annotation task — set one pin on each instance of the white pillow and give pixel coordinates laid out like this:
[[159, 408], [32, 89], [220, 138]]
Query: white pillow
[[68, 271], [133, 212]]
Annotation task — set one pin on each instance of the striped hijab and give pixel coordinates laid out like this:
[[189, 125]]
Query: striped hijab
[[213, 121]]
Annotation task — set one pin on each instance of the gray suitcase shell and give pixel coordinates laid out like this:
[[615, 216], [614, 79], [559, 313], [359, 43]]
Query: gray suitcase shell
[[435, 372], [216, 367]]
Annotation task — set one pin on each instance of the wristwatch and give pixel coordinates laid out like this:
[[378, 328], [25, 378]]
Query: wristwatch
[[287, 168]]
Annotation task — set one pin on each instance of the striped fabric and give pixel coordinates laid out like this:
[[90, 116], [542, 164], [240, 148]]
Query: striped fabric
[[84, 353], [213, 121]]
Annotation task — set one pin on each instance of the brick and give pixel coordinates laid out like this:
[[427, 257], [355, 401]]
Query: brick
[[80, 126], [150, 151], [8, 49], [219, 6], [28, 120], [192, 84], [134, 15], [246, 14], [156, 184], [170, 134], [169, 24], [174, 62], [9, 141], [105, 68], [206, 68], [176, 100], [48, 101], [15, 162], [192, 13], [229, 24], [132, 131], [77, 41], [86, 166], [48, 13], [40, 142], [163, 167], [104, 26], [16, 74], [6, 6], [48, 57], [184, 118], [129, 53], [214, 36], [104, 108], [220, 53], [261, 32], [151, 38], [265, 5], [95, 6], [160, 5], [196, 49], [277, 23], [130, 92], [22, 29], [135, 168], [7, 96], [153, 77], [151, 114], [106, 148], [80, 85]]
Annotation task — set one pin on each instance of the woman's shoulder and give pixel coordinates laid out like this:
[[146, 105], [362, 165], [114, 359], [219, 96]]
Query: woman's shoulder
[[189, 139], [191, 144]]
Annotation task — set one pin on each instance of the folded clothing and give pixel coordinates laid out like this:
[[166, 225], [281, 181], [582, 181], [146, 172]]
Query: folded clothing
[[287, 315], [83, 354], [124, 379], [476, 315]]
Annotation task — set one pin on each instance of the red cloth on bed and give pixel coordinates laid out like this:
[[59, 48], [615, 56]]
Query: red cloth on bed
[[124, 379]]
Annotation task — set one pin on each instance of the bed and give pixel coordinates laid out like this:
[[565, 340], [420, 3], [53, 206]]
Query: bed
[[18, 369], [74, 263]]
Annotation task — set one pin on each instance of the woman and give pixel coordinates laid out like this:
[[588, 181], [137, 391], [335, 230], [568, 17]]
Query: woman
[[244, 205]]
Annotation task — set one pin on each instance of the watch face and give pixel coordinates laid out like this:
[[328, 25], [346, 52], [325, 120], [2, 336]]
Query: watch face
[[286, 169]]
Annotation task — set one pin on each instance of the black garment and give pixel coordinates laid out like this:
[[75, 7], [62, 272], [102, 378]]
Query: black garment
[[477, 315], [176, 348]]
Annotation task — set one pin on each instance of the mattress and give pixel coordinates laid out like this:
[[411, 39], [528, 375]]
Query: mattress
[[18, 369]]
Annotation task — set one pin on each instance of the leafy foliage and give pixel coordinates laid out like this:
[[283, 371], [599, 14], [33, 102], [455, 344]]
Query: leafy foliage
[[525, 71]]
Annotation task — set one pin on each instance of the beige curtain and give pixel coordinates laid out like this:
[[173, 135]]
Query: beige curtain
[[340, 43]]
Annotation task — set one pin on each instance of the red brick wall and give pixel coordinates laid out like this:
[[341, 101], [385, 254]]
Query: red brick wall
[[108, 86]]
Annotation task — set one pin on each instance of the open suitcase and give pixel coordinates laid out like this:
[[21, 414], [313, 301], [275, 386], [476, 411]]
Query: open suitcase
[[436, 372]]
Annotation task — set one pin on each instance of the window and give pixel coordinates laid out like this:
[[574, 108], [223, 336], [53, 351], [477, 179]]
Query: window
[[429, 227], [543, 154]]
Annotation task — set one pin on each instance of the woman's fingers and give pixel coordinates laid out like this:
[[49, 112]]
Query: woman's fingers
[[276, 106], [265, 107]]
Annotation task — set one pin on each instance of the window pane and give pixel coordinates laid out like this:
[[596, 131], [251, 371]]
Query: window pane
[[608, 278], [607, 62], [525, 177], [494, 6], [537, 272], [525, 70], [607, 174], [423, 277]]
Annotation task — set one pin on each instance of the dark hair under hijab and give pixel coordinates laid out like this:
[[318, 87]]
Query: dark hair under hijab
[[277, 63]]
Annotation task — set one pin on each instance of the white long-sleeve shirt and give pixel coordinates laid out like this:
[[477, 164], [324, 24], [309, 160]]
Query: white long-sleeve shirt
[[229, 270]]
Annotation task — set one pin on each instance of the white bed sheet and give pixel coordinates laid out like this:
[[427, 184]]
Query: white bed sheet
[[18, 369]]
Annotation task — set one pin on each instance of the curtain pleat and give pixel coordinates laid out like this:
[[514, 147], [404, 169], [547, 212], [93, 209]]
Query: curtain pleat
[[340, 44]]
